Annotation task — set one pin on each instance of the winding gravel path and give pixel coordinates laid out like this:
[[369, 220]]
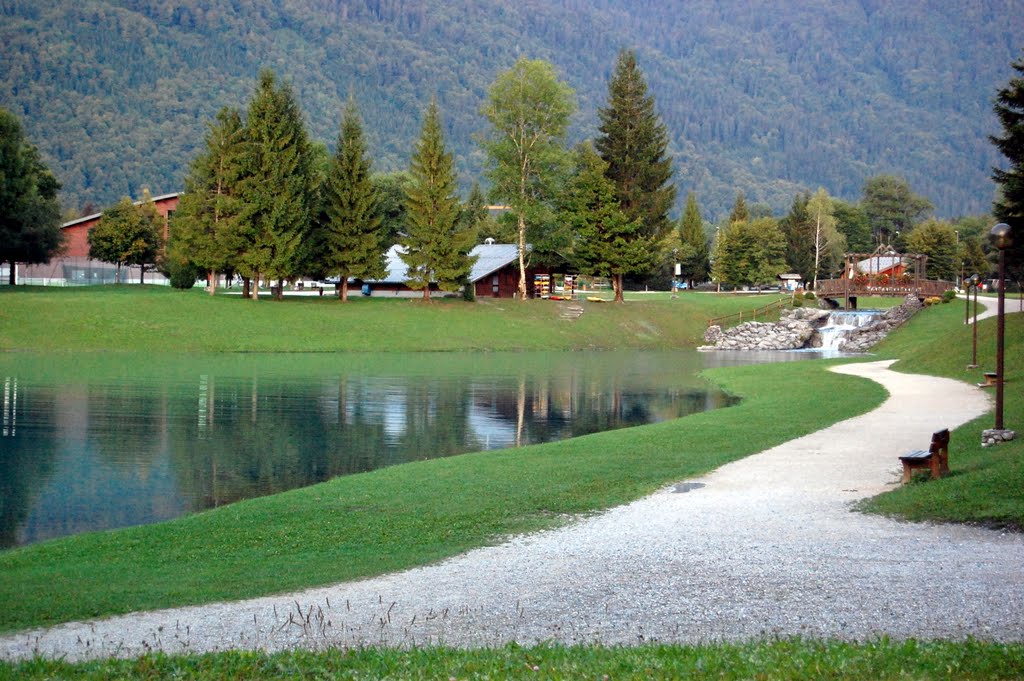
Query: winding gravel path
[[766, 546]]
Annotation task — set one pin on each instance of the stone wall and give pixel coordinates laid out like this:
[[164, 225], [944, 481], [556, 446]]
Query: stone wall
[[797, 329]]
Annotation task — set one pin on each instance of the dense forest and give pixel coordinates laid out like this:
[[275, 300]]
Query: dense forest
[[766, 97]]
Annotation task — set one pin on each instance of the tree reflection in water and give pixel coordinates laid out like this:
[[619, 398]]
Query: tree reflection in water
[[126, 441]]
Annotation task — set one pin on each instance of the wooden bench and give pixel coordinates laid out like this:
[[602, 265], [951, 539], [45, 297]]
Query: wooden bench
[[990, 379], [935, 458]]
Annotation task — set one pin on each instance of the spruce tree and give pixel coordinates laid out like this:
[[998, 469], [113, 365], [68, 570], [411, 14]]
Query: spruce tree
[[205, 231], [739, 212], [606, 241], [798, 229], [437, 242], [1009, 207], [634, 143], [277, 192], [351, 218], [694, 254], [29, 212]]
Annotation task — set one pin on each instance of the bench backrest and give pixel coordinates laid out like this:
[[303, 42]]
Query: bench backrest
[[940, 441]]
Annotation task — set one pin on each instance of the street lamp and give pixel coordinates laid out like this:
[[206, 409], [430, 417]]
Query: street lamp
[[1001, 238], [974, 281]]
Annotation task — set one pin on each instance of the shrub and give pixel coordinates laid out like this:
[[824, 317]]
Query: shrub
[[934, 300], [798, 301], [183, 275], [809, 295], [948, 296]]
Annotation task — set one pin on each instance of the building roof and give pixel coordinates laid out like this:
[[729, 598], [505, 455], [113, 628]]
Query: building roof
[[879, 263], [790, 277], [95, 216], [489, 259]]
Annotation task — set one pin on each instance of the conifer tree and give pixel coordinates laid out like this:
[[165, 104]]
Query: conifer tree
[[206, 228], [634, 143], [1009, 208], [694, 254], [607, 243], [798, 229], [277, 192], [437, 242], [29, 211], [351, 218], [739, 212]]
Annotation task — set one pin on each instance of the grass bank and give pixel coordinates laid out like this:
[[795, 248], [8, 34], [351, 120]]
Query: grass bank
[[781, 660], [986, 486], [408, 515], [158, 319]]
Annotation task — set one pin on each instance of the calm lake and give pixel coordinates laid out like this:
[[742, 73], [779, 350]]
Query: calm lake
[[92, 443]]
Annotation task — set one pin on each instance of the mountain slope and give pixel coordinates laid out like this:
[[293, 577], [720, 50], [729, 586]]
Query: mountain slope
[[762, 96]]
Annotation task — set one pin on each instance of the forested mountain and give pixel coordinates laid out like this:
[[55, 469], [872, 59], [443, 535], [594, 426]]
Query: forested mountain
[[765, 96]]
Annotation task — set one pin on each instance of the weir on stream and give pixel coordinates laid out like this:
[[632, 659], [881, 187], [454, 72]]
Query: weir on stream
[[840, 323]]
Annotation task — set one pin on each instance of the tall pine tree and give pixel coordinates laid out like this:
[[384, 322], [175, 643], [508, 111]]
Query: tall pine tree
[[437, 242], [798, 229], [1009, 208], [351, 219], [277, 192], [694, 254], [206, 228], [634, 142]]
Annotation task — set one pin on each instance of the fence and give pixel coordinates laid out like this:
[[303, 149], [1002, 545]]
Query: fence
[[78, 271]]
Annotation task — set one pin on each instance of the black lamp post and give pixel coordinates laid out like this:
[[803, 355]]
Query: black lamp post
[[974, 281], [1001, 238]]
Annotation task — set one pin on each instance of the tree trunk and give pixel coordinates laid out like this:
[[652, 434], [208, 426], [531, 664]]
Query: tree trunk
[[426, 293], [117, 274], [280, 290], [10, 275], [256, 286], [343, 291], [522, 258], [142, 274], [211, 281], [617, 285], [246, 291]]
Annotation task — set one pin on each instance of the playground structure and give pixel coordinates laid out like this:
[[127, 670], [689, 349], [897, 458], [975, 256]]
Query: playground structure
[[881, 273]]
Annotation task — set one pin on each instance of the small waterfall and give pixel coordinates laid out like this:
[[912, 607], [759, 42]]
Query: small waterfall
[[840, 323]]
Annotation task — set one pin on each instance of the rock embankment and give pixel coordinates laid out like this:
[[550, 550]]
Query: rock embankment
[[798, 328]]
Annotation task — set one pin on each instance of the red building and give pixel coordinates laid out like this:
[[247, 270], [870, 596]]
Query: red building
[[74, 267]]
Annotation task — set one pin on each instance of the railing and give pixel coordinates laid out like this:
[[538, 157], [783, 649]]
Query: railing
[[839, 288], [750, 315]]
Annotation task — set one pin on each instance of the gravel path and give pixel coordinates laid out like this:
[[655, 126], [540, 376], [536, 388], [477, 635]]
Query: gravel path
[[766, 546]]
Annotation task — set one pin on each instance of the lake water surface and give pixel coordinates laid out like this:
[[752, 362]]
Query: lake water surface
[[92, 443]]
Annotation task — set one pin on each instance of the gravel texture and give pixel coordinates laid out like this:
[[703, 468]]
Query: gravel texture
[[764, 547]]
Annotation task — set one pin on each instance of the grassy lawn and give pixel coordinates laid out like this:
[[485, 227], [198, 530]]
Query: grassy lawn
[[987, 484], [158, 319], [768, 661]]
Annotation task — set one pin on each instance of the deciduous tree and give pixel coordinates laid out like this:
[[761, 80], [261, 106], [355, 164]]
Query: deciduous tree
[[438, 242], [128, 234], [827, 243], [29, 211], [529, 110], [750, 253], [937, 240], [351, 218]]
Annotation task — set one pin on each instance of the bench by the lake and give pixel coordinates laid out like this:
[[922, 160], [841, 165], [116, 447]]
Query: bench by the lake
[[990, 379], [935, 458]]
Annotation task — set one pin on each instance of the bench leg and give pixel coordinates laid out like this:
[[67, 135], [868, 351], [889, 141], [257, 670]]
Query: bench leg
[[933, 463], [906, 472]]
